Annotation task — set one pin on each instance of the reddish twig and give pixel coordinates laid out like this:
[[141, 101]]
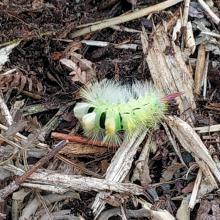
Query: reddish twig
[[4, 193], [81, 140]]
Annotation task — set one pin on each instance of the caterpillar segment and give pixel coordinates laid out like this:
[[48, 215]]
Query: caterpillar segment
[[110, 109]]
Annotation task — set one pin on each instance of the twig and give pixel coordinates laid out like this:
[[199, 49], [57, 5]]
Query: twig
[[105, 44], [205, 75], [34, 204], [124, 18], [173, 142], [192, 201], [121, 28], [86, 171], [191, 141], [200, 65], [4, 193], [186, 13], [211, 34], [207, 129], [136, 213], [214, 17], [141, 171], [81, 140], [77, 182], [120, 166], [5, 111]]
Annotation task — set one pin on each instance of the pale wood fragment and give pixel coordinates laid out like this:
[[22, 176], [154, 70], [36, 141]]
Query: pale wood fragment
[[119, 167], [77, 182], [192, 143], [169, 70], [183, 212], [207, 129], [196, 186], [200, 65], [99, 25]]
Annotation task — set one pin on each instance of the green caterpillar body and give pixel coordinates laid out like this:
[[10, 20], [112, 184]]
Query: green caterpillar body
[[110, 109]]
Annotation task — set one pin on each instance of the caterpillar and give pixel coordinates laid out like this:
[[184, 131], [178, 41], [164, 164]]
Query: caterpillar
[[110, 109]]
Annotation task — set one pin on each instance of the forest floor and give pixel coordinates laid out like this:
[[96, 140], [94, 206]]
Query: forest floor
[[49, 49]]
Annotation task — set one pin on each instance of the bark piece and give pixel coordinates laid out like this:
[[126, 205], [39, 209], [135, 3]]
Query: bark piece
[[169, 71]]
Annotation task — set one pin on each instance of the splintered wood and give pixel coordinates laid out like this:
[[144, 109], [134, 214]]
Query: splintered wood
[[169, 71]]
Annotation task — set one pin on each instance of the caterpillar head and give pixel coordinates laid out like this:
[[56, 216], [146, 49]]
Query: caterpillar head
[[88, 121], [81, 109]]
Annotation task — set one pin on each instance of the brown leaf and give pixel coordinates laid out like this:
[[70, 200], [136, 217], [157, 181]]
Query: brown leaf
[[83, 70], [116, 200], [37, 4], [56, 56], [20, 81], [188, 188], [170, 171], [104, 165]]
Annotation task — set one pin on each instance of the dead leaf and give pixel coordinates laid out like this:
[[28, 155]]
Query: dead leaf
[[171, 170], [37, 4], [104, 165], [20, 81], [56, 56], [83, 70], [116, 200], [188, 188], [33, 124]]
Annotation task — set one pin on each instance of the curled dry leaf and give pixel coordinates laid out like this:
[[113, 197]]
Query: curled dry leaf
[[82, 70], [20, 82], [116, 200], [169, 172], [37, 4]]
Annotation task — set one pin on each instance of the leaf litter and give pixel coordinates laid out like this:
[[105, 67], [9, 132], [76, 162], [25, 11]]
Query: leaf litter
[[48, 169]]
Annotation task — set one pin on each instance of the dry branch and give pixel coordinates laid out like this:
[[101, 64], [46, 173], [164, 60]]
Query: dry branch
[[200, 64], [124, 18], [78, 182], [5, 112], [214, 17], [81, 140]]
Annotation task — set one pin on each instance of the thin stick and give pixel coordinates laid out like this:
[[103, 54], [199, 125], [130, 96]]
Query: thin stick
[[81, 140], [200, 65], [207, 129], [205, 76], [5, 112], [214, 17], [186, 13], [195, 189], [124, 18], [4, 193], [212, 34]]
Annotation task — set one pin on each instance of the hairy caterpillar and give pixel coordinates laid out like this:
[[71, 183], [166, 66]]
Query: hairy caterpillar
[[110, 109]]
